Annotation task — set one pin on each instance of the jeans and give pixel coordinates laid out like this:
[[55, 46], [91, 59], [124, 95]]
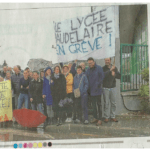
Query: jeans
[[50, 112], [38, 107], [84, 100], [80, 107], [45, 108], [16, 100], [109, 98], [23, 98], [97, 107]]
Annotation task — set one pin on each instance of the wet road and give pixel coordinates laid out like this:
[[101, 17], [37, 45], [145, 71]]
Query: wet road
[[128, 126]]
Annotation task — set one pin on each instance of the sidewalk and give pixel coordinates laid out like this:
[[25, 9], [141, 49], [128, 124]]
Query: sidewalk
[[128, 126]]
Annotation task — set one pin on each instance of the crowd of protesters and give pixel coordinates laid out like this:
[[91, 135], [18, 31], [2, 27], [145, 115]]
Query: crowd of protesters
[[44, 90]]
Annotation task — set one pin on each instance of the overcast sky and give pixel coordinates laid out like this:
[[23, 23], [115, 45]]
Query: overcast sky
[[29, 33]]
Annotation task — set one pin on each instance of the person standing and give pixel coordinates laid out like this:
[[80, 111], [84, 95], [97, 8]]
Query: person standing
[[35, 92], [31, 74], [47, 95], [15, 78], [9, 69], [42, 75], [109, 89], [81, 82], [24, 91], [72, 68], [82, 64], [69, 90], [58, 92], [3, 74], [95, 77]]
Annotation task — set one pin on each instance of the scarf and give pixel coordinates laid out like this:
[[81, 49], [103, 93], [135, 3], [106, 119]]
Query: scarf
[[49, 79], [56, 75], [66, 74]]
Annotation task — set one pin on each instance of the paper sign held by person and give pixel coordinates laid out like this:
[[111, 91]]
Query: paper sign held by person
[[5, 101]]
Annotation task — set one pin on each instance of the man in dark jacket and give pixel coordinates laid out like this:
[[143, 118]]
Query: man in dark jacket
[[35, 92], [24, 87], [109, 84], [3, 74], [95, 77], [15, 78]]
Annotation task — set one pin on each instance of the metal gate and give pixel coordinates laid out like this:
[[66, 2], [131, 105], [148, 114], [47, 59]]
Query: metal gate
[[134, 58]]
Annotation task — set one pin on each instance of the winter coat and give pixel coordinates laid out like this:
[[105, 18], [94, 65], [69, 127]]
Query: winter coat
[[15, 82], [25, 84], [35, 91], [95, 77], [84, 83], [59, 88], [47, 88], [69, 83]]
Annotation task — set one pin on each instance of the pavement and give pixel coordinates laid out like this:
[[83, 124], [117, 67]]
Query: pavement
[[128, 126]]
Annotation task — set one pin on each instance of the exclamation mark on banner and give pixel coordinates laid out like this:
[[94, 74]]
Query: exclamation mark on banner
[[110, 39]]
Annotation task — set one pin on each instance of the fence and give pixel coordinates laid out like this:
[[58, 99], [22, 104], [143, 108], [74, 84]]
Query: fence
[[134, 58]]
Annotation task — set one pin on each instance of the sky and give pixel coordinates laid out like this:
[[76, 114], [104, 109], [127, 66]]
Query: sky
[[29, 33]]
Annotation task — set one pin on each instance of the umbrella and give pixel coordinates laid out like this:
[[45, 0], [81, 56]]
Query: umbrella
[[29, 118]]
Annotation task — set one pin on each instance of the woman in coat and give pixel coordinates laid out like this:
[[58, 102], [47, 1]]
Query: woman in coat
[[47, 95], [58, 92]]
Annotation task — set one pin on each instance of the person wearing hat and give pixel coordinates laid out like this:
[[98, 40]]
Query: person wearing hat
[[69, 90]]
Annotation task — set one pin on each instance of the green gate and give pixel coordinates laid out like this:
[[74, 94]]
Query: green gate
[[134, 58]]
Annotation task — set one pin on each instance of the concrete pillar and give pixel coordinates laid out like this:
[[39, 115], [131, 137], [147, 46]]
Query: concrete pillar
[[148, 16]]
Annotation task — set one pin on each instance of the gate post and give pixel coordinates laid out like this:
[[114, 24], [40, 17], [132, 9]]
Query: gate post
[[148, 14]]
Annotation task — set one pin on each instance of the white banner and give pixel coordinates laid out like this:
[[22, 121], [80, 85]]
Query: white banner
[[90, 36]]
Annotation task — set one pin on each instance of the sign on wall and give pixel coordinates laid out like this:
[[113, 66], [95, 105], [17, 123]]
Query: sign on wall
[[5, 101], [90, 36]]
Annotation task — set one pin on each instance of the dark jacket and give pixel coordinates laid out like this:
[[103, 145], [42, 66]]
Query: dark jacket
[[25, 84], [109, 80], [47, 88], [3, 74], [84, 83], [35, 91], [59, 88], [95, 77], [73, 69], [15, 82]]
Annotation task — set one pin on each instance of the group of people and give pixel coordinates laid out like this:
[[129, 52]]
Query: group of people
[[43, 90]]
